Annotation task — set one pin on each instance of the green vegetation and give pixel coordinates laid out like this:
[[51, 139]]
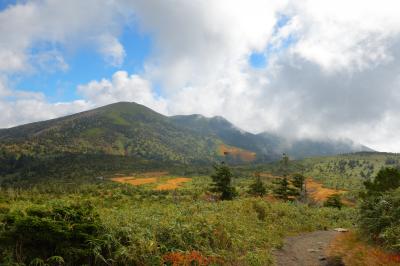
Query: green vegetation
[[58, 205], [349, 171], [380, 209], [106, 223], [284, 190], [379, 219], [257, 188], [122, 129], [298, 181], [386, 179], [53, 234], [334, 201], [134, 131], [222, 182]]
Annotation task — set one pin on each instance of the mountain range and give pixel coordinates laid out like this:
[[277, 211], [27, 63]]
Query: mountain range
[[130, 129]]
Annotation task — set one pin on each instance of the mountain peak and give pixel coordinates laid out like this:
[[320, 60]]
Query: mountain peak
[[131, 129]]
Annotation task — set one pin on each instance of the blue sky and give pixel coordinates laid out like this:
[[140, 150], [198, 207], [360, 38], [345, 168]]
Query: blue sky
[[86, 64], [260, 59], [5, 3]]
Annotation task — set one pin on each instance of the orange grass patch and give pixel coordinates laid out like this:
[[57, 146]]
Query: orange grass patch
[[188, 259], [134, 181], [270, 198], [244, 155], [357, 253], [173, 183], [318, 192]]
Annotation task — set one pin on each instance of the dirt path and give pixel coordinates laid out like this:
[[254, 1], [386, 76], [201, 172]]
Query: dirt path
[[304, 250]]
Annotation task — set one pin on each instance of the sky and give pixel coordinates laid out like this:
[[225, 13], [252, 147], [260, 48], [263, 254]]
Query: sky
[[302, 69]]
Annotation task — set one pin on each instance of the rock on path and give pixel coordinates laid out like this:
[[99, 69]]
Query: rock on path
[[305, 249]]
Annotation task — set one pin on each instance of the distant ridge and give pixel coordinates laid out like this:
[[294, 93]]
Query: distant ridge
[[131, 129]]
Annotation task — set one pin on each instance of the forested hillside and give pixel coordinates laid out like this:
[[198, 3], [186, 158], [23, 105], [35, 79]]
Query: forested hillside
[[119, 129], [134, 137], [349, 171]]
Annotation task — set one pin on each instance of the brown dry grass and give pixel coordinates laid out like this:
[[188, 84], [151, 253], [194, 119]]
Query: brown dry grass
[[357, 253], [134, 181], [187, 259], [173, 183], [244, 155], [153, 174], [139, 179], [318, 192], [150, 178]]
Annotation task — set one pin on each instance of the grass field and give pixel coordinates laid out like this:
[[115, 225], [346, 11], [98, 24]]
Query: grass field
[[151, 227], [156, 218]]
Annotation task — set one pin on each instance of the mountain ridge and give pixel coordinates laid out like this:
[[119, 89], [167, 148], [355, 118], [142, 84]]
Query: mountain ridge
[[131, 129]]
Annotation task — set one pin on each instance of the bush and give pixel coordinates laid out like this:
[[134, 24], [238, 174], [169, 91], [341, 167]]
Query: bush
[[380, 218], [387, 179], [334, 201], [260, 210], [380, 208], [73, 233]]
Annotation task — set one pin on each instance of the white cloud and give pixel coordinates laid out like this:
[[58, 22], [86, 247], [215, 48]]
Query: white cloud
[[345, 34], [4, 91], [51, 23], [49, 61], [338, 76], [32, 107], [196, 41], [32, 34], [122, 88], [112, 49], [28, 106]]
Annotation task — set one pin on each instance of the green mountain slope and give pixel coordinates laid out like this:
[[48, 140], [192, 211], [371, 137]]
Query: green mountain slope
[[126, 129], [229, 134], [267, 146], [349, 171], [133, 130]]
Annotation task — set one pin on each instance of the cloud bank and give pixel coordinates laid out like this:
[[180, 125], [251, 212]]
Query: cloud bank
[[332, 67]]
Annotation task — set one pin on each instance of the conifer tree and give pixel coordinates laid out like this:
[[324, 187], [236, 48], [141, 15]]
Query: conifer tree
[[298, 181], [283, 190], [222, 182], [257, 188]]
